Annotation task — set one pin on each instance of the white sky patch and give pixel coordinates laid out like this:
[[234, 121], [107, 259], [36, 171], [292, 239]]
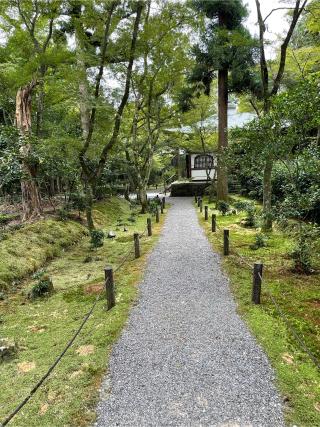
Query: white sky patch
[[277, 23]]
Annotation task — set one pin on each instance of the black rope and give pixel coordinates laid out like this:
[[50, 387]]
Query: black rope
[[281, 313], [69, 344]]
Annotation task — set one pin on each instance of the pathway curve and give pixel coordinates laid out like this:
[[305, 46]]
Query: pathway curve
[[185, 357]]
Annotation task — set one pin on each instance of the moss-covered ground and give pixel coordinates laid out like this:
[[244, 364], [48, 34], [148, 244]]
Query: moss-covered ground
[[42, 328], [297, 296]]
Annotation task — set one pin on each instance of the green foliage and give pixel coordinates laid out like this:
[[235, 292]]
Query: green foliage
[[63, 213], [97, 237], [302, 255], [43, 287], [261, 241], [223, 207], [251, 218]]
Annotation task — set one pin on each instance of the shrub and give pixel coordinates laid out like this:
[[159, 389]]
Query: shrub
[[5, 218], [42, 288], [97, 237], [251, 219], [152, 206], [261, 241], [241, 205], [223, 207], [78, 202], [64, 212], [302, 253]]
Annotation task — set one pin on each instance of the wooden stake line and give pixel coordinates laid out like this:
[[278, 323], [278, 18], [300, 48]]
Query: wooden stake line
[[109, 285], [225, 242], [206, 210], [163, 202], [213, 223], [149, 226], [200, 206], [256, 282], [136, 245]]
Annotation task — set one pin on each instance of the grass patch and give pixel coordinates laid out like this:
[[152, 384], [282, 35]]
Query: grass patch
[[42, 328], [298, 296]]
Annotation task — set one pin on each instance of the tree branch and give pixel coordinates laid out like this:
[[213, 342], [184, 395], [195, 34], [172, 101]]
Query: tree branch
[[296, 14]]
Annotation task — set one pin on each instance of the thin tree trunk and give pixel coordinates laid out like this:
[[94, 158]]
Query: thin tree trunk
[[267, 196], [31, 200], [89, 204], [143, 198], [222, 177]]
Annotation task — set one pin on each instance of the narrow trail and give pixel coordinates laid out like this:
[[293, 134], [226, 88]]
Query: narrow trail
[[185, 357]]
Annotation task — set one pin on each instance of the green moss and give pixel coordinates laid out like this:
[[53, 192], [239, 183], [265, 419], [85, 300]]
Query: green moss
[[27, 249], [298, 296], [43, 327]]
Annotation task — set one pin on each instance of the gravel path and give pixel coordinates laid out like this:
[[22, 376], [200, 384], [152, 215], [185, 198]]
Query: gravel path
[[185, 357]]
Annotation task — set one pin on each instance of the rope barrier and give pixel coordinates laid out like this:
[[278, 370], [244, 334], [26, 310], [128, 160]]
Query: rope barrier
[[299, 340], [124, 259]]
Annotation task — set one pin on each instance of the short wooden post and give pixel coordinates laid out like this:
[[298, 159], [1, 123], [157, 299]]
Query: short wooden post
[[161, 208], [109, 284], [157, 214], [149, 226], [200, 206], [256, 282], [195, 199], [213, 223], [199, 199], [136, 245], [206, 213], [163, 202], [225, 242]]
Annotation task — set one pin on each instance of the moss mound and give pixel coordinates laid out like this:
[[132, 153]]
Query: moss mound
[[25, 250]]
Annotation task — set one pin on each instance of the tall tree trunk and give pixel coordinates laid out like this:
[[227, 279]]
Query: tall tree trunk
[[267, 196], [31, 199], [222, 177], [88, 205], [143, 198], [178, 170]]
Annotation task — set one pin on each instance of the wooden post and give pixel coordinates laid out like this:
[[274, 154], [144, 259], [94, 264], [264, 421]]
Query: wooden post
[[161, 208], [157, 214], [136, 245], [195, 199], [213, 223], [206, 213], [199, 198], [201, 206], [149, 226], [163, 202], [109, 284], [225, 242], [256, 282]]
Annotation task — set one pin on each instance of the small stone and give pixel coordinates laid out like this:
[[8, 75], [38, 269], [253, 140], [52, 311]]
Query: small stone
[[8, 349], [111, 234]]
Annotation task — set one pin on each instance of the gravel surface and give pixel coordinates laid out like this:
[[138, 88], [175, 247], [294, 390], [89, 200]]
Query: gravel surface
[[185, 357]]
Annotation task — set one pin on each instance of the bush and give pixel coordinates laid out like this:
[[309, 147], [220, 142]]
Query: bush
[[42, 288], [78, 202], [241, 205], [261, 241], [97, 237], [153, 206], [223, 207], [5, 218], [64, 213], [251, 219], [302, 253]]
